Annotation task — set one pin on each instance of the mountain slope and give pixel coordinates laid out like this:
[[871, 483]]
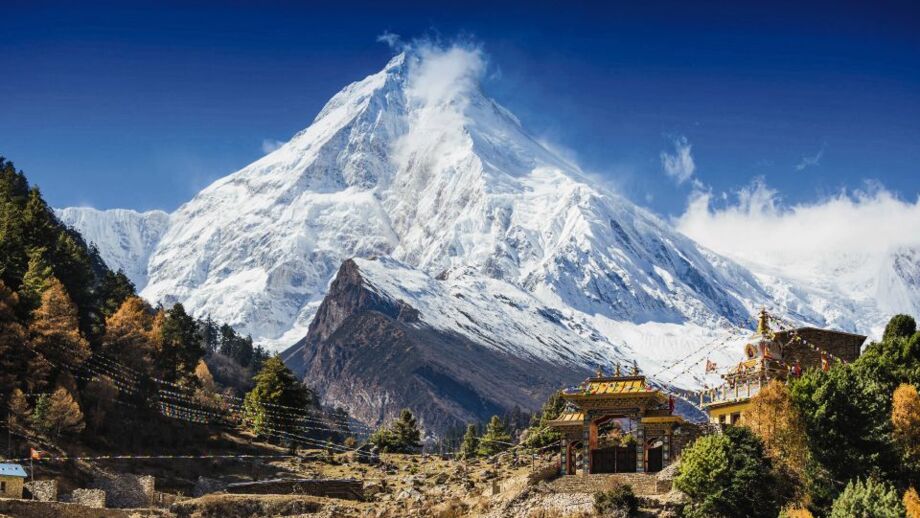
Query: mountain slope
[[416, 163], [125, 238], [466, 349]]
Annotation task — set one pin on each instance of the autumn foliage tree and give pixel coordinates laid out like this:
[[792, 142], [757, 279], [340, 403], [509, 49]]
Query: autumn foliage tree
[[19, 367], [774, 418], [905, 420], [129, 335], [55, 330], [911, 503], [64, 414]]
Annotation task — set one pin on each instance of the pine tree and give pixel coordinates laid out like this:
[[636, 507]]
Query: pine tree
[[35, 281], [129, 335], [179, 345], [55, 330], [38, 220], [403, 436], [227, 339], [275, 384], [540, 434], [495, 439], [39, 415], [470, 445], [210, 338], [64, 414], [115, 290], [13, 192]]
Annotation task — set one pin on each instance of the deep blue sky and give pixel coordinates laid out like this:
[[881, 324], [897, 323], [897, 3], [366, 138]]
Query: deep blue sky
[[126, 105]]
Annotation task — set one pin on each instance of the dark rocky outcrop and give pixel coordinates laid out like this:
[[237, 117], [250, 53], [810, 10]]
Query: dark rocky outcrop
[[375, 355]]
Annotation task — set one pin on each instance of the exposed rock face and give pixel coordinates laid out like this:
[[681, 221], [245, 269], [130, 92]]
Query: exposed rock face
[[377, 355]]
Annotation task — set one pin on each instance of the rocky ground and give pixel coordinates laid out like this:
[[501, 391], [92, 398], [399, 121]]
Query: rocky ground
[[400, 485]]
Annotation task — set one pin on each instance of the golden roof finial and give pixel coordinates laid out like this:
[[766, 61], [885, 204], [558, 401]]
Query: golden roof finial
[[763, 326]]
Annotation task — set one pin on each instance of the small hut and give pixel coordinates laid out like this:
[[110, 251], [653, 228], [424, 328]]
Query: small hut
[[12, 478]]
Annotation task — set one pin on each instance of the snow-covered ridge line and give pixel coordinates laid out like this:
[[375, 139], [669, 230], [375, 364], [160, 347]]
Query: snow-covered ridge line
[[125, 238]]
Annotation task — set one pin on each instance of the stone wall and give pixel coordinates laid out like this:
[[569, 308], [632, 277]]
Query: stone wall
[[642, 483], [349, 489], [36, 509], [94, 498], [126, 490], [43, 490]]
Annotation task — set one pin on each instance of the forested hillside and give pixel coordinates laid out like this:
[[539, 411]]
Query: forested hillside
[[85, 360]]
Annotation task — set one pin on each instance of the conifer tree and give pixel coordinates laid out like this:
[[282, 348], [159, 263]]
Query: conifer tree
[[38, 220], [55, 330], [540, 434], [210, 337], [275, 384], [35, 281], [402, 436], [64, 414], [179, 344], [116, 288], [470, 445], [495, 439], [129, 335], [39, 417]]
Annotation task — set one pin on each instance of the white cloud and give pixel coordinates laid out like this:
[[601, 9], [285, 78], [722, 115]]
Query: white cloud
[[755, 226], [679, 165], [269, 145], [442, 74], [810, 161], [392, 40]]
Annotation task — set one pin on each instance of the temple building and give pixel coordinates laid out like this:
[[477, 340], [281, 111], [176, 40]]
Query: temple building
[[770, 355], [619, 424]]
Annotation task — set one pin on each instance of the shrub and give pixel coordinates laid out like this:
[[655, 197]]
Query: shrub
[[728, 475], [868, 499], [620, 499]]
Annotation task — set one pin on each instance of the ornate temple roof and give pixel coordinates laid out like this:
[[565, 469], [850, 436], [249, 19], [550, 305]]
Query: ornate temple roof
[[568, 419]]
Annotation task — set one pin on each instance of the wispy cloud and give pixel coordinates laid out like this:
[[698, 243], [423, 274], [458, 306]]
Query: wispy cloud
[[394, 41], [269, 145], [810, 161], [679, 165]]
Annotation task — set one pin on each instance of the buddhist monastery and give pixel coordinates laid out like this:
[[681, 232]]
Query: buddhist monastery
[[770, 355], [619, 424]]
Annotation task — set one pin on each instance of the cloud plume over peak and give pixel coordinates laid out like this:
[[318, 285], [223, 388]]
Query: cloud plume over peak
[[679, 165]]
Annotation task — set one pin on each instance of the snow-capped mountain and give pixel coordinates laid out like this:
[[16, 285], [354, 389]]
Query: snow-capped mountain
[[417, 164], [125, 238]]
